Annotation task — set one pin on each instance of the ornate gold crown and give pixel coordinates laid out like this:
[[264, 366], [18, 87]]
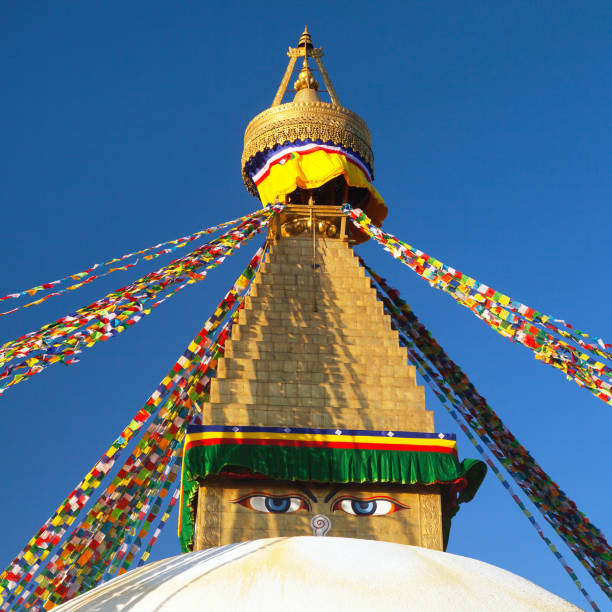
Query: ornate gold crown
[[307, 117]]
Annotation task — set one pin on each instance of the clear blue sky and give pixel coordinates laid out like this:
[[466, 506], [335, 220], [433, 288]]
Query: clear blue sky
[[122, 126]]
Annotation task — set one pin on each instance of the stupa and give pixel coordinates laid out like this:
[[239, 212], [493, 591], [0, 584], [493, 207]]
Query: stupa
[[316, 425]]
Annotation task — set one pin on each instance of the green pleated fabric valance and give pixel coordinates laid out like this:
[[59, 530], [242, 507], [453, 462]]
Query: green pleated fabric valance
[[326, 456]]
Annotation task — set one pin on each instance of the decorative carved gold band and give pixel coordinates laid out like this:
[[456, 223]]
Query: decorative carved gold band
[[299, 225], [299, 121]]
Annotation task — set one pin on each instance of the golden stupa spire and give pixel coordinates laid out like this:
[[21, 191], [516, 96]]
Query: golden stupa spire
[[305, 49], [306, 116], [308, 119]]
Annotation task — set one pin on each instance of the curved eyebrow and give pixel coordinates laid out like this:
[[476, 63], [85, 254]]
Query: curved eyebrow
[[332, 493], [304, 489]]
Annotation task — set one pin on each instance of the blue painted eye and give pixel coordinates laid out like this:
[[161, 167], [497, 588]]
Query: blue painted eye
[[276, 505], [377, 506], [363, 508]]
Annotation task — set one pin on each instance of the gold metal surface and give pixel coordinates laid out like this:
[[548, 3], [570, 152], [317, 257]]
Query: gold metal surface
[[305, 117], [305, 50], [296, 220], [278, 98], [299, 225], [305, 40], [306, 78], [328, 84], [298, 121]]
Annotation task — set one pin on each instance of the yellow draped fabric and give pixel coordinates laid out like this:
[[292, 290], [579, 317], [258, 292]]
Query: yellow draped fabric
[[312, 167]]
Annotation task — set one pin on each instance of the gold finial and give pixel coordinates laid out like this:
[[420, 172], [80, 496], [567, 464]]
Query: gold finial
[[306, 92], [305, 40], [306, 86], [305, 79]]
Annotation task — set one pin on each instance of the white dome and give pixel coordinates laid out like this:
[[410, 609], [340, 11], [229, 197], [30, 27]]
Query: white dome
[[309, 573]]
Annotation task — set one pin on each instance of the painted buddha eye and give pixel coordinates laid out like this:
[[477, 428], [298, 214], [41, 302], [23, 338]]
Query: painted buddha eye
[[373, 506], [276, 504]]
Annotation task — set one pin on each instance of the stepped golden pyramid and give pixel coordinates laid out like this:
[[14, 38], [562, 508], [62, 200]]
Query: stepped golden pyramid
[[316, 425], [339, 366]]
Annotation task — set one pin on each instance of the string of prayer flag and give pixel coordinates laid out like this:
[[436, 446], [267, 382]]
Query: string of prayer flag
[[85, 277], [553, 341], [109, 537], [63, 340], [451, 383]]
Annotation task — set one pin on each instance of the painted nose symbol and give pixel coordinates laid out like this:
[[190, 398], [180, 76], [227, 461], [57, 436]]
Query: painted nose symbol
[[320, 525]]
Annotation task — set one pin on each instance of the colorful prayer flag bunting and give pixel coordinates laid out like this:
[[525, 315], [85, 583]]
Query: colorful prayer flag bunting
[[61, 341], [85, 277], [563, 349], [452, 386], [109, 537]]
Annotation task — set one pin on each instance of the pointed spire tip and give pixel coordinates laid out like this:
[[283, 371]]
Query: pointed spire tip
[[305, 40]]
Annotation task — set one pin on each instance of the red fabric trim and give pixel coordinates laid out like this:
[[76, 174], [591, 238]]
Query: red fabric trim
[[313, 444], [313, 150]]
